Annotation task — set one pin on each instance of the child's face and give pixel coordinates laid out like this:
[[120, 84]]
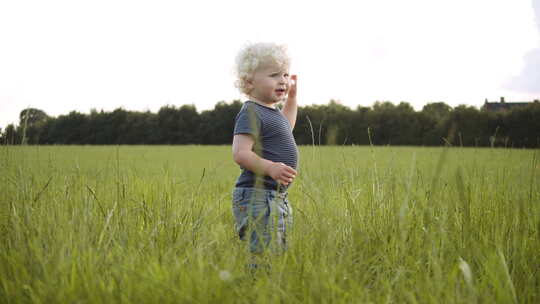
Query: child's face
[[270, 83]]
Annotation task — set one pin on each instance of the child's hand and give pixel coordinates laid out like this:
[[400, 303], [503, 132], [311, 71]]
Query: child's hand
[[292, 87], [282, 173]]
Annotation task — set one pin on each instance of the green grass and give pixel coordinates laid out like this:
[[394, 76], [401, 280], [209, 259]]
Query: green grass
[[153, 224]]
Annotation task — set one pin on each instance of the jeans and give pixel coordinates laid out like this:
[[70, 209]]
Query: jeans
[[256, 212]]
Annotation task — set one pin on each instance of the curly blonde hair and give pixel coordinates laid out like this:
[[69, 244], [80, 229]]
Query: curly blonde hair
[[252, 56]]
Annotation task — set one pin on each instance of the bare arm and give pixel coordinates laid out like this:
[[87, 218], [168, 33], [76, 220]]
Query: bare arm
[[290, 108], [245, 157]]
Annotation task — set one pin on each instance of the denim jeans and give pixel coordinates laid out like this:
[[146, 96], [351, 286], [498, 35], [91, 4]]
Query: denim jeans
[[256, 212]]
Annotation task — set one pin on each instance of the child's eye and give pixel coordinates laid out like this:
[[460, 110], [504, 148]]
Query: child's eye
[[286, 75]]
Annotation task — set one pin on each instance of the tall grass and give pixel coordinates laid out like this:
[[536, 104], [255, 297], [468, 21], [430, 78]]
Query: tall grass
[[384, 224]]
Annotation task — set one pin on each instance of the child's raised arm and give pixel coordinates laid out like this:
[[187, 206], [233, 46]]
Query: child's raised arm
[[290, 108]]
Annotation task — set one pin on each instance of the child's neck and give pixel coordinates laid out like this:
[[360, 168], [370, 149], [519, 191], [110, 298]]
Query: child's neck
[[264, 104]]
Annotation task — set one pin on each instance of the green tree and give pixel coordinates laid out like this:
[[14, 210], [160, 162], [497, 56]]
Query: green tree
[[10, 135], [331, 124], [433, 119], [385, 124], [359, 125], [522, 125], [67, 129], [31, 121], [178, 125], [217, 125], [467, 126], [143, 128], [309, 125], [437, 110]]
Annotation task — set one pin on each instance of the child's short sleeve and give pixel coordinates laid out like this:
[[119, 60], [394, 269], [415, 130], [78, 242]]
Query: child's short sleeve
[[247, 121]]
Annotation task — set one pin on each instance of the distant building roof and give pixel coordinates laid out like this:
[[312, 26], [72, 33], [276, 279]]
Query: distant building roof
[[502, 105]]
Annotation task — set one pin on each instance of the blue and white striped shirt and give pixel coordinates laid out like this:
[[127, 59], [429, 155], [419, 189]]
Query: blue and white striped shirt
[[274, 140]]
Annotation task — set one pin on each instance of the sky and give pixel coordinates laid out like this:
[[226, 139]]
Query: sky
[[63, 56]]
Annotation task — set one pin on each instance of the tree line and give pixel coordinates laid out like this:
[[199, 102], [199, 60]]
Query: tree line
[[384, 123]]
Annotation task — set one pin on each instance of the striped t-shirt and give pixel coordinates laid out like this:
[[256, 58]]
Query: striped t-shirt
[[274, 140]]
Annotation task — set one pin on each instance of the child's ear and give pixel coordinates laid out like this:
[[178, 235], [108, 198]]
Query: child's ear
[[249, 84]]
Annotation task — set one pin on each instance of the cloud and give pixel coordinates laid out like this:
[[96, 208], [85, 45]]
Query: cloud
[[529, 79]]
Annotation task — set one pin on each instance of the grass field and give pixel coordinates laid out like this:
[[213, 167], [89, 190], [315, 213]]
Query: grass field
[[153, 224]]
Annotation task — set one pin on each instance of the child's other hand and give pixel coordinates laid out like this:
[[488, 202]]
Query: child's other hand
[[282, 173], [292, 87]]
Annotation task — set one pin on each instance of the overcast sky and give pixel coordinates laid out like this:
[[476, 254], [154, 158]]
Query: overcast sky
[[60, 56]]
